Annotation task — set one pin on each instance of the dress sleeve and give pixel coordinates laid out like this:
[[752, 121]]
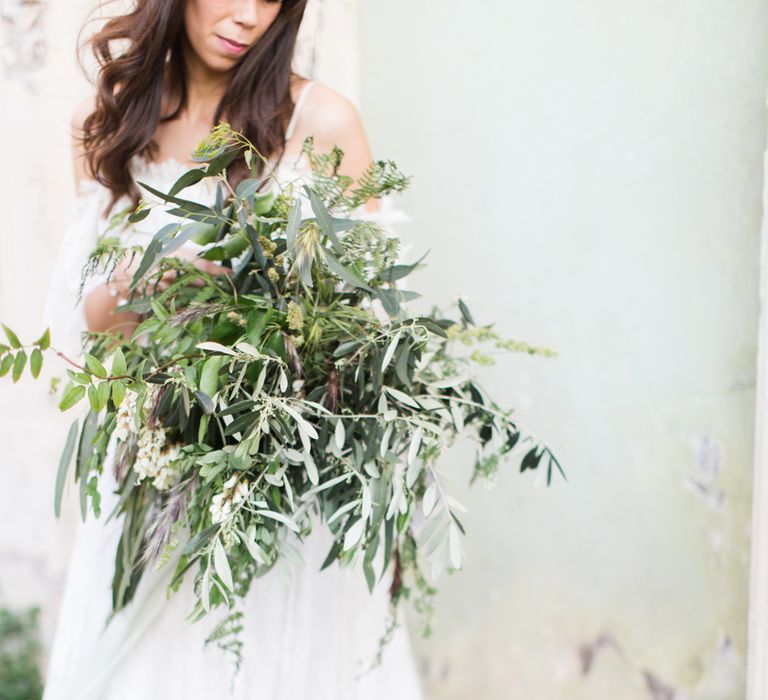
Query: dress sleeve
[[63, 310]]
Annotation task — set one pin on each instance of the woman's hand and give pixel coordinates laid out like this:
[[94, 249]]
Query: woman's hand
[[124, 273]]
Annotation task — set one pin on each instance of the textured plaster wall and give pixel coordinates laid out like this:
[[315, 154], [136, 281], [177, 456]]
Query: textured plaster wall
[[40, 86], [588, 175]]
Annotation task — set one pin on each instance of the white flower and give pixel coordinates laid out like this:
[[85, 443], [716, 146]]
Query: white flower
[[155, 459], [126, 417], [233, 493], [167, 467]]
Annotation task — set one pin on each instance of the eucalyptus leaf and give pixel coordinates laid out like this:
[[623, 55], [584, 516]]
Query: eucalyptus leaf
[[221, 563], [64, 462]]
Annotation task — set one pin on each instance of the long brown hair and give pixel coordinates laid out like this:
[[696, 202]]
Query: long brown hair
[[131, 84]]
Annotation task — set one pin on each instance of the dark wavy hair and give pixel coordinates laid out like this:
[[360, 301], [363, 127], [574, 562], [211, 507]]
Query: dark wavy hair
[[130, 86]]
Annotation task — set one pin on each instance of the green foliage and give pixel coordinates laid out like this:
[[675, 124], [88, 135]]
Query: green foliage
[[15, 358], [299, 385], [20, 649], [379, 178]]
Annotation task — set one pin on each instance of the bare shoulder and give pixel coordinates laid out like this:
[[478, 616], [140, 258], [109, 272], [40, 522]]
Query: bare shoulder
[[328, 114], [332, 119], [78, 116]]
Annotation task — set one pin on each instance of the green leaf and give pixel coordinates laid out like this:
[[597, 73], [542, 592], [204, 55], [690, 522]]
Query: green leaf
[[328, 225], [354, 533], [256, 552], [341, 271], [431, 325], [95, 366], [64, 462], [118, 393], [209, 376], [72, 396], [19, 362], [531, 460], [187, 206], [465, 313], [118, 362], [221, 563], [189, 178], [346, 348], [248, 187], [5, 364], [256, 323], [158, 309], [84, 490], [205, 590], [215, 347], [292, 230], [199, 540], [137, 216], [222, 160], [324, 220], [396, 272], [370, 554], [390, 351], [205, 401], [93, 397], [12, 337], [402, 368], [389, 300], [262, 205], [150, 255], [36, 362], [401, 397], [279, 517], [333, 553], [44, 340], [152, 252], [311, 467], [187, 232], [253, 237], [103, 393], [79, 377]]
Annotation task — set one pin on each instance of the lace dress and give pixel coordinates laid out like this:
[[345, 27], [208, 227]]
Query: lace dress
[[307, 633]]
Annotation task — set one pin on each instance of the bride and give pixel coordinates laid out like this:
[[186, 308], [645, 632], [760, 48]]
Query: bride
[[184, 66]]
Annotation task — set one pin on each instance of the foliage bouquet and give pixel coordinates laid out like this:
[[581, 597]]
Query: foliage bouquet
[[297, 392]]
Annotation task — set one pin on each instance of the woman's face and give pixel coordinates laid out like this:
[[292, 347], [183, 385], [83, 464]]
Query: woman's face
[[221, 32]]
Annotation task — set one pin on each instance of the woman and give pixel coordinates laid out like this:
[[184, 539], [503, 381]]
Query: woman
[[308, 634]]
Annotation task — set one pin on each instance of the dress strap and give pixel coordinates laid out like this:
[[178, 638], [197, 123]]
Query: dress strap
[[297, 108]]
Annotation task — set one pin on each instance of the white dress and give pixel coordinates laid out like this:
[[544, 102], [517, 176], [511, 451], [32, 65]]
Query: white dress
[[307, 633]]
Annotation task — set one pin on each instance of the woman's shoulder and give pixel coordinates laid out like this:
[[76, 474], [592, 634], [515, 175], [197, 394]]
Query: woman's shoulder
[[326, 113], [333, 120]]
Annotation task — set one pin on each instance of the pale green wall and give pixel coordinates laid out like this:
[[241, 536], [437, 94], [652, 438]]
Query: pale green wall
[[588, 174]]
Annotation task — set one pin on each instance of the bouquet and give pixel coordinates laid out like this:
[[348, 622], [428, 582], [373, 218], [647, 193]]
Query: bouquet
[[296, 392]]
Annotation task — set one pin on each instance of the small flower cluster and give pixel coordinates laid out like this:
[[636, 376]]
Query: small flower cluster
[[233, 494], [295, 317], [236, 318], [155, 459], [125, 422]]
